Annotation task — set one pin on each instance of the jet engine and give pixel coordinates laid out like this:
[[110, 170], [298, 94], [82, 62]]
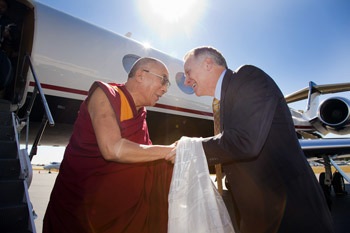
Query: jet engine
[[334, 113]]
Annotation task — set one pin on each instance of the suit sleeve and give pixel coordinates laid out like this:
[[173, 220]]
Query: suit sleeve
[[249, 108]]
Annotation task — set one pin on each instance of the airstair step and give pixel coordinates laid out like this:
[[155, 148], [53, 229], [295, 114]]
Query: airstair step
[[11, 192], [5, 105], [8, 150], [14, 218], [20, 231], [7, 133], [9, 169], [14, 212], [5, 118]]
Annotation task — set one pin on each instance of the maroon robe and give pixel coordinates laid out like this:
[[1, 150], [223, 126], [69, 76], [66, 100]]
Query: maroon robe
[[94, 195]]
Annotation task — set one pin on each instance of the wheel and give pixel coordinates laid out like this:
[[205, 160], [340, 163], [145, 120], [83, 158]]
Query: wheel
[[321, 180], [326, 189], [338, 184]]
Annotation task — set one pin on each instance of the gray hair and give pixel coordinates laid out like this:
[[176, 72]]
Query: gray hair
[[207, 51]]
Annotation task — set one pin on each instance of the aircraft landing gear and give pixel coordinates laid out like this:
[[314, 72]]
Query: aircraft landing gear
[[338, 184], [326, 187], [337, 181]]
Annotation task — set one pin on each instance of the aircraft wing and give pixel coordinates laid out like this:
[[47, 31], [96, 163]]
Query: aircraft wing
[[330, 148], [53, 165], [325, 146], [322, 89]]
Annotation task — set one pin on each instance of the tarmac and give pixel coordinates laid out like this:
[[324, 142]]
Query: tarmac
[[42, 184], [39, 193]]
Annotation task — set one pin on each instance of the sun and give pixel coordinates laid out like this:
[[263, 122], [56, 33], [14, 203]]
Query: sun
[[169, 17], [172, 10]]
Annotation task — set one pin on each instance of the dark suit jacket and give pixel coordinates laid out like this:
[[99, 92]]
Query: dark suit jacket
[[272, 184]]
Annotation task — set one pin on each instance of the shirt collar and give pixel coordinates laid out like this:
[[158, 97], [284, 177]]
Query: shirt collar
[[217, 94]]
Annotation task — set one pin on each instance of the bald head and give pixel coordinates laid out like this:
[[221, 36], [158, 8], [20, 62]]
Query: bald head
[[148, 81], [143, 63]]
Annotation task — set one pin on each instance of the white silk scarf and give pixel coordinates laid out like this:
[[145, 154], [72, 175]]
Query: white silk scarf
[[194, 203]]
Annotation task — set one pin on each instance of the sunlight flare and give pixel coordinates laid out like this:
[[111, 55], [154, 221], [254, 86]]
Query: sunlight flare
[[170, 18]]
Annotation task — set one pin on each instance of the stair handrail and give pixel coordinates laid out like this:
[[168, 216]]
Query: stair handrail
[[26, 175], [47, 117]]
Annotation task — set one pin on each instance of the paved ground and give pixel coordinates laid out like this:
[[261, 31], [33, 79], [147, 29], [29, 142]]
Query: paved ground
[[39, 192], [42, 184]]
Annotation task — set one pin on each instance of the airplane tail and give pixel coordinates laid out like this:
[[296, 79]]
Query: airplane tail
[[312, 101]]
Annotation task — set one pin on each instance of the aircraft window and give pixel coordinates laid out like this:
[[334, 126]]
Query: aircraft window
[[180, 81], [128, 61]]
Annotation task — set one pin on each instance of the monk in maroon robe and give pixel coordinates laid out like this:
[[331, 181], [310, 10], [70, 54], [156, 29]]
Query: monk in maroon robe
[[111, 178]]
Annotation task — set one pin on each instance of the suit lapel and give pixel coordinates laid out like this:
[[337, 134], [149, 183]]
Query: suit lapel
[[225, 83]]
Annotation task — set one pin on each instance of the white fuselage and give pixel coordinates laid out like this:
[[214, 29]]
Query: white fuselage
[[70, 54]]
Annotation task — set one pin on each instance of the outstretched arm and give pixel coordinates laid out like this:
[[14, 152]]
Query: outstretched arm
[[112, 146]]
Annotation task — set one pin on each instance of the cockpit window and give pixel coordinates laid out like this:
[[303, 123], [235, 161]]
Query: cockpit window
[[128, 61], [180, 81]]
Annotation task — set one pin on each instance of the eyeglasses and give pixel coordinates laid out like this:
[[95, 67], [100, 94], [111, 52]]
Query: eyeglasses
[[164, 78]]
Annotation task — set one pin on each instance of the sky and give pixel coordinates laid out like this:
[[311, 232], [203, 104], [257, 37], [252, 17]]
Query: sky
[[294, 41]]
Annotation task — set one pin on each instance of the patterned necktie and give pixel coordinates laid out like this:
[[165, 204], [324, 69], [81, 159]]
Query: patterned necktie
[[218, 168], [216, 114]]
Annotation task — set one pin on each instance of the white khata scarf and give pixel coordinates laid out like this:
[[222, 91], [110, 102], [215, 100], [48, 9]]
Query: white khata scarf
[[194, 203]]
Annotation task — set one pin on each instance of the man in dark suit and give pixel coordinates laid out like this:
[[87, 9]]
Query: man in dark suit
[[272, 185]]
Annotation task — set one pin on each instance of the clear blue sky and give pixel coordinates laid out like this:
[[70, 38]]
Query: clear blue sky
[[295, 41]]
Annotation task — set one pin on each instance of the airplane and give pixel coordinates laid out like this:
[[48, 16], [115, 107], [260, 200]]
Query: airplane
[[60, 56], [330, 116], [52, 165], [318, 120]]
